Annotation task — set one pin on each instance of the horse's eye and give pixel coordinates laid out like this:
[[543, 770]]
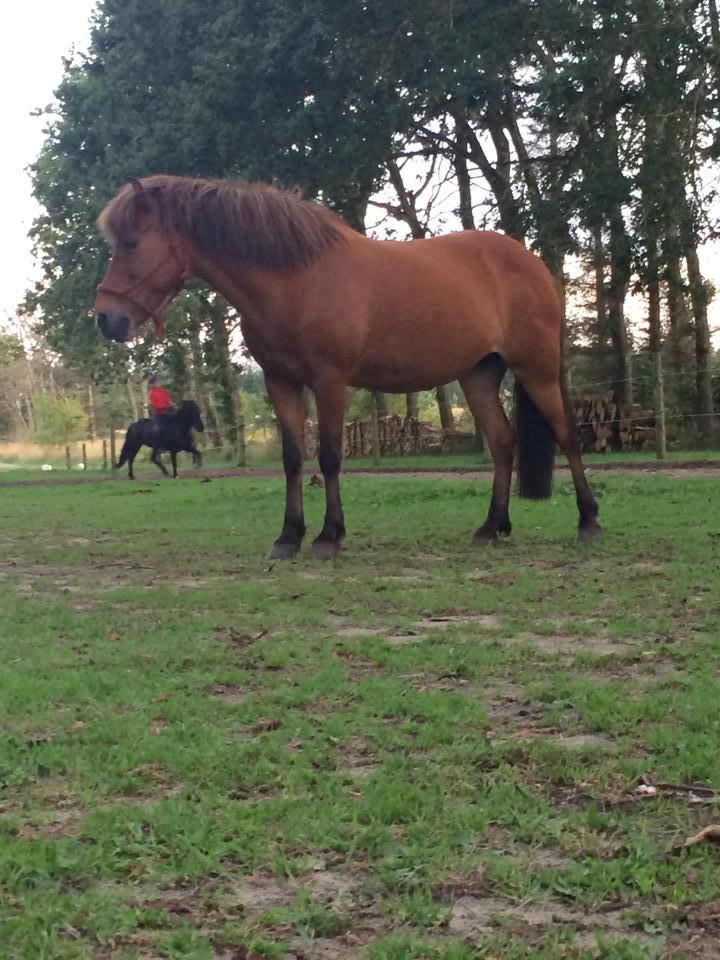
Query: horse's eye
[[129, 244]]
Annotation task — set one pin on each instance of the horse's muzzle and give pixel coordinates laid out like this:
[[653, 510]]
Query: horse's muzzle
[[114, 326]]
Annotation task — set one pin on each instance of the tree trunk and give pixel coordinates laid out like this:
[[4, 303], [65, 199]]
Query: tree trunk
[[92, 412], [678, 318], [620, 260], [703, 345], [227, 382], [375, 426], [132, 397], [194, 366], [714, 23], [411, 406], [446, 415], [462, 175], [653, 285], [600, 297]]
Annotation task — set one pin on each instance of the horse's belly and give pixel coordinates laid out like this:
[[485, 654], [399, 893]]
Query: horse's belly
[[423, 356]]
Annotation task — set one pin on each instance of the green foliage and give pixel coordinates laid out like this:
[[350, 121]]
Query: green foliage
[[59, 418], [257, 410], [11, 349]]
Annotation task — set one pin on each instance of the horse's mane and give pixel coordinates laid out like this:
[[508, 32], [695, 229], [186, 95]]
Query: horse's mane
[[252, 224]]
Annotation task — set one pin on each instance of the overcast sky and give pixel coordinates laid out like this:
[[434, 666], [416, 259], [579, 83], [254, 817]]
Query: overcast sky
[[36, 35]]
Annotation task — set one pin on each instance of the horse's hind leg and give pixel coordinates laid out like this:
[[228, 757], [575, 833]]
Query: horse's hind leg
[[546, 393], [331, 400], [481, 388], [197, 457], [173, 460], [155, 457], [287, 400]]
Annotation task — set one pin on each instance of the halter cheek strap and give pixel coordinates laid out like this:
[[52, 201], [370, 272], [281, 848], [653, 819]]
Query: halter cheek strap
[[157, 314]]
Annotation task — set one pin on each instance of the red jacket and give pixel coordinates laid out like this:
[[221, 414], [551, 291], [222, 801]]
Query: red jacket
[[159, 400]]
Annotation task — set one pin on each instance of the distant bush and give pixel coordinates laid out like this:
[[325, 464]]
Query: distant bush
[[59, 419]]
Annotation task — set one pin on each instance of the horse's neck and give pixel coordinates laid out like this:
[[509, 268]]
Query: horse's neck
[[253, 292]]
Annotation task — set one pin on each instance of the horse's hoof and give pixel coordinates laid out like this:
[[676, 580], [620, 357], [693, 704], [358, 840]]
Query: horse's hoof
[[484, 538], [325, 549], [283, 550], [591, 531]]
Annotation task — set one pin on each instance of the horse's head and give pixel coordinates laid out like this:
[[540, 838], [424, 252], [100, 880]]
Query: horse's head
[[191, 413], [149, 264]]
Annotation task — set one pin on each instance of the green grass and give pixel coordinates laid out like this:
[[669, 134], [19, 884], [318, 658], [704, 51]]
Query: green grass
[[264, 456], [415, 751]]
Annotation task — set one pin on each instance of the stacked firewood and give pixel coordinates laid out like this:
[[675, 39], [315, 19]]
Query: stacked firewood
[[397, 435], [603, 425]]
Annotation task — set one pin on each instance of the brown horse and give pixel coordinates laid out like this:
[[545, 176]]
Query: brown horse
[[326, 307]]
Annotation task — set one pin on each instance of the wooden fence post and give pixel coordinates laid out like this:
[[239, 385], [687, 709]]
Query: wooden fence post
[[375, 426], [67, 455], [105, 455], [113, 459], [84, 456]]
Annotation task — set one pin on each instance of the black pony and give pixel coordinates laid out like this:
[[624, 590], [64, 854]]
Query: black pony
[[171, 432]]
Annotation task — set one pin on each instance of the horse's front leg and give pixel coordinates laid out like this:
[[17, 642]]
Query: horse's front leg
[[331, 400], [155, 457], [287, 400], [197, 457], [173, 461]]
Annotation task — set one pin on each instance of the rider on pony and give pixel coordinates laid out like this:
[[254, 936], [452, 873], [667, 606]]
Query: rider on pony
[[159, 400]]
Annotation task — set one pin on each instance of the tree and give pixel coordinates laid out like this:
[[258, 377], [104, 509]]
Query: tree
[[59, 419]]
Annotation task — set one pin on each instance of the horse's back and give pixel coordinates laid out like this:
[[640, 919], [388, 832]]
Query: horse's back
[[437, 306]]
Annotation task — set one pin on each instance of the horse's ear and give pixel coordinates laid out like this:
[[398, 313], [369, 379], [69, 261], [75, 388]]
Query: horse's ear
[[141, 200]]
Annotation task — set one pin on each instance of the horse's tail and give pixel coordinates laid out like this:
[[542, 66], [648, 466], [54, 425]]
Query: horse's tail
[[536, 448], [124, 453], [130, 447]]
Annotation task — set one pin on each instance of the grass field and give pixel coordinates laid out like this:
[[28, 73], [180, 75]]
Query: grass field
[[416, 751]]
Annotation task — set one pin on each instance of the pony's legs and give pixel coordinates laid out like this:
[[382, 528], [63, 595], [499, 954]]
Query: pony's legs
[[287, 400], [173, 460], [481, 388], [547, 395], [197, 457], [131, 461], [155, 457], [331, 400]]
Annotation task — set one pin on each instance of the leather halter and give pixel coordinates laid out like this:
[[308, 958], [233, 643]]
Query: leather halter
[[156, 314]]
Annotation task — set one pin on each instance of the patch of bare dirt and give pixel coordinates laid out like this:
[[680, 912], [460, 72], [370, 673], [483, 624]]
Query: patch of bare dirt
[[569, 645], [476, 917], [512, 717], [261, 891], [357, 757], [228, 692], [446, 684], [339, 887], [359, 631], [462, 885], [61, 823], [486, 621]]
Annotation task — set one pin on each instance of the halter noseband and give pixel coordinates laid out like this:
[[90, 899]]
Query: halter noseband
[[156, 314]]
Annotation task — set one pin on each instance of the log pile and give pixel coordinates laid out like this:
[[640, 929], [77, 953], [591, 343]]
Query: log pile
[[398, 436], [603, 425]]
